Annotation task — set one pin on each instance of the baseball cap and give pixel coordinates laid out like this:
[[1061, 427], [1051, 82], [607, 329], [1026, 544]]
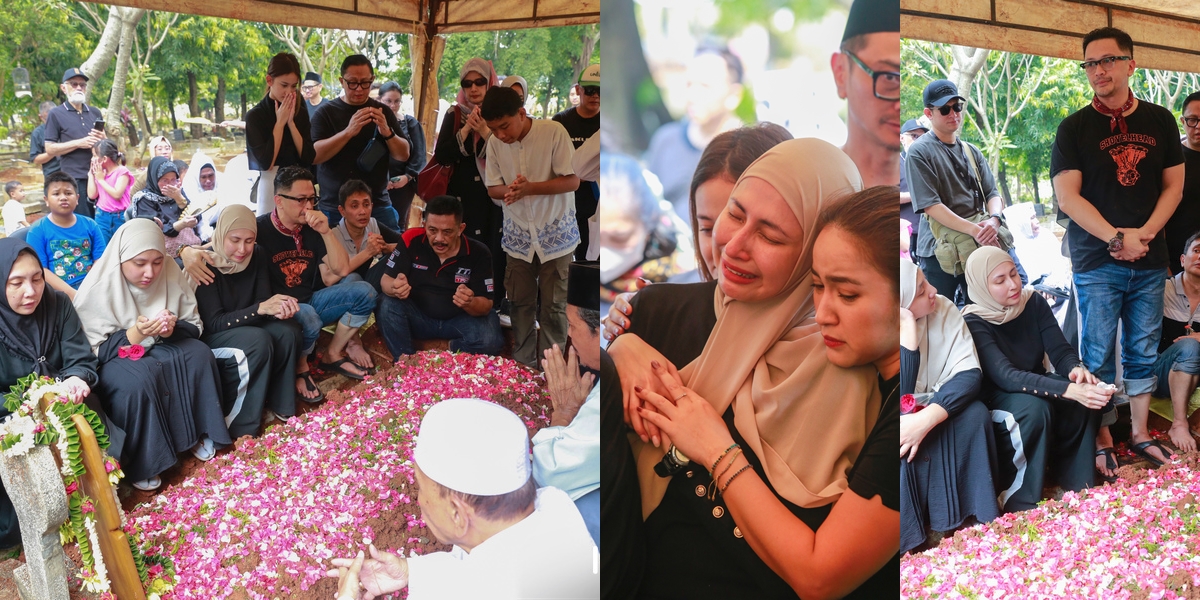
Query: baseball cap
[[72, 73], [940, 92], [590, 75], [912, 125]]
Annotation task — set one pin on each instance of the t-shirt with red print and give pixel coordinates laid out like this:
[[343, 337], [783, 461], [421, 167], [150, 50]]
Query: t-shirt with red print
[[296, 273], [1122, 176]]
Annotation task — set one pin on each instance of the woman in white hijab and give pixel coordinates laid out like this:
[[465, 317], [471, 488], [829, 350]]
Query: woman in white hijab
[[1042, 418], [202, 186], [946, 447], [159, 382]]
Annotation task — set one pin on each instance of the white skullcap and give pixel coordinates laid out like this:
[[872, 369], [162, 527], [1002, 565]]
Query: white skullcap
[[474, 447]]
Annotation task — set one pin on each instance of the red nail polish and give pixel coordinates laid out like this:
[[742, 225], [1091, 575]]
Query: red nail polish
[[637, 388]]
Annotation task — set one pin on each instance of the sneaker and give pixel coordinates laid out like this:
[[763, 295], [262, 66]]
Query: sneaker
[[147, 485], [505, 321], [274, 416]]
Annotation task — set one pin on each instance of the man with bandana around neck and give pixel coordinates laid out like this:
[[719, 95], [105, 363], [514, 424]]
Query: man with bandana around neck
[[1118, 172]]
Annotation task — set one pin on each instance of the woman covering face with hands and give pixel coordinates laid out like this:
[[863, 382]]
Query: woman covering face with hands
[[278, 129], [250, 330], [167, 400], [162, 200]]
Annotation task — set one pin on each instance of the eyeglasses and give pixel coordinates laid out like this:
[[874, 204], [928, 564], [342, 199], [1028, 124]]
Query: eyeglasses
[[946, 108], [1191, 121], [358, 85], [1106, 62], [885, 84], [469, 83], [79, 85], [591, 90], [309, 88], [302, 200]]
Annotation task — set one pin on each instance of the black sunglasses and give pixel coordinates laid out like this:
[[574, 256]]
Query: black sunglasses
[[591, 90], [945, 109], [469, 83]]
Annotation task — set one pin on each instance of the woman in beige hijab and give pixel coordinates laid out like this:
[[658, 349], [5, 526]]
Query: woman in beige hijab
[[1048, 419], [250, 330], [741, 520], [159, 383]]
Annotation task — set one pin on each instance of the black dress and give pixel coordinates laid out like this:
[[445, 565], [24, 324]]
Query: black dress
[[693, 549], [256, 354], [162, 403], [70, 357]]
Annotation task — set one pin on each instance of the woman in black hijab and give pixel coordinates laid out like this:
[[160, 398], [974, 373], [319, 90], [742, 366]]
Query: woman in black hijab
[[163, 199], [39, 333]]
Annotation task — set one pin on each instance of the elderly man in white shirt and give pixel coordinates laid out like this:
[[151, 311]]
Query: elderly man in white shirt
[[511, 539], [566, 455], [529, 171]]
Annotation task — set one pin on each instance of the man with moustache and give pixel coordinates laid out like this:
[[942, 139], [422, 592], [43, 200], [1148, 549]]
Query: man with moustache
[[71, 133], [440, 286], [1117, 168], [950, 187], [867, 73]]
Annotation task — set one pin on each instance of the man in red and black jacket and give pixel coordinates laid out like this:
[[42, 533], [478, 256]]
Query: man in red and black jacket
[[440, 287]]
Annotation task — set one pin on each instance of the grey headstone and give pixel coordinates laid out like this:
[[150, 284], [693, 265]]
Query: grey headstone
[[36, 488]]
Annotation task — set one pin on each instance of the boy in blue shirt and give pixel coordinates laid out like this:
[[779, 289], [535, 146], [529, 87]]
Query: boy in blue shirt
[[66, 243]]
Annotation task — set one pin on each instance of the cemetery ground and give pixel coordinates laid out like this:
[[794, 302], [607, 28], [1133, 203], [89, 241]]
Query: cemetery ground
[[264, 517]]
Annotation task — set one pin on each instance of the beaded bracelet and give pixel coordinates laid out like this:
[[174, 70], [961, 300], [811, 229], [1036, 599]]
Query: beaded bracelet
[[732, 477], [718, 461], [713, 485]]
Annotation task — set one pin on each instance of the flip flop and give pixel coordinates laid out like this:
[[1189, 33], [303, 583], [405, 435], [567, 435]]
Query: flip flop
[[310, 386], [1110, 463], [337, 367], [1140, 450]]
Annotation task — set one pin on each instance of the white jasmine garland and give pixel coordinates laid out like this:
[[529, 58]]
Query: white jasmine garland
[[99, 582], [22, 427], [61, 444]]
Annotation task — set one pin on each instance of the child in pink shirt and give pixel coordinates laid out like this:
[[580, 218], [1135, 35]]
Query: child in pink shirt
[[110, 184]]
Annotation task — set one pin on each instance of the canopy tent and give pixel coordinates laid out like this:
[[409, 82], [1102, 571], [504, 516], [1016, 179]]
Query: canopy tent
[[424, 19], [1166, 33]]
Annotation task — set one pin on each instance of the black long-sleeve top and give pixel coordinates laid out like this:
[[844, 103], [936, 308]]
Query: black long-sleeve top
[[466, 178], [411, 129], [232, 300], [910, 367], [110, 348], [148, 205], [1011, 354], [260, 138], [954, 395]]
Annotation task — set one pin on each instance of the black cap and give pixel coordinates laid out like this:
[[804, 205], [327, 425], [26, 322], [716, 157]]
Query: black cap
[[940, 92], [72, 73], [912, 125], [310, 76], [872, 16], [583, 285]]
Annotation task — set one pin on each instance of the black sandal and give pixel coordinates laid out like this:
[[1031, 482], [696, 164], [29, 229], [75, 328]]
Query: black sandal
[[1110, 463], [337, 367], [1140, 450], [310, 386]]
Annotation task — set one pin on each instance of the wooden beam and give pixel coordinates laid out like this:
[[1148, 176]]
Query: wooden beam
[[276, 12]]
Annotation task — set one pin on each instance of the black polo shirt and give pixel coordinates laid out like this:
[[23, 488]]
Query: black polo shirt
[[434, 282], [65, 124], [296, 273]]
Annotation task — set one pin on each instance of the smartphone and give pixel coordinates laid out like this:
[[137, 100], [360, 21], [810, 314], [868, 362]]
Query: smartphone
[[99, 126]]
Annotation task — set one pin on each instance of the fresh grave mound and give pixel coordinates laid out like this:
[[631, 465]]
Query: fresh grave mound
[[1136, 539], [263, 522]]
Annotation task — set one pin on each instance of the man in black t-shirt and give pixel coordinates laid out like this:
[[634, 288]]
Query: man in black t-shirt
[[581, 122], [343, 128], [37, 142], [1186, 219], [298, 240], [440, 287], [1118, 172]]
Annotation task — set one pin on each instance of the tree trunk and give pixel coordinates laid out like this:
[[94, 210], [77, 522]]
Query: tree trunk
[[194, 103], [1004, 185], [630, 115], [242, 115], [106, 48], [1036, 194], [219, 105], [116, 98], [967, 63], [171, 109], [591, 34]]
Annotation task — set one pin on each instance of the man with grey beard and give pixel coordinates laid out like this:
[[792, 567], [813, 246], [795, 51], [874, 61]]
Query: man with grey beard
[[71, 132]]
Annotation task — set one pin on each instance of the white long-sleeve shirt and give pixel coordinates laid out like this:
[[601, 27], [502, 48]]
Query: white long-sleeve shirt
[[568, 457]]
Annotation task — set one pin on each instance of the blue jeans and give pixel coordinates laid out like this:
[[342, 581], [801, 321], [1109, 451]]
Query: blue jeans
[[386, 216], [109, 222], [1182, 356], [1134, 298], [348, 303], [400, 322]]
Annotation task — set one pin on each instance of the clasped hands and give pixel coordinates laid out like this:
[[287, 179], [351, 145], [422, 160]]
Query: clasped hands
[[1134, 245], [518, 189]]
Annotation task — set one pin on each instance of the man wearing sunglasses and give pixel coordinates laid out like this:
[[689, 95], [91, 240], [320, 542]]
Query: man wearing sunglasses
[[71, 133], [1117, 167], [952, 188], [353, 136], [867, 73], [582, 122]]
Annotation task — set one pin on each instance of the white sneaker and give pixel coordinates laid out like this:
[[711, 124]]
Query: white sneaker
[[505, 321], [147, 485]]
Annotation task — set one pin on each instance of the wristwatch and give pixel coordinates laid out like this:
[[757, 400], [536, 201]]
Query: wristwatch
[[390, 136], [1117, 242], [672, 463]]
